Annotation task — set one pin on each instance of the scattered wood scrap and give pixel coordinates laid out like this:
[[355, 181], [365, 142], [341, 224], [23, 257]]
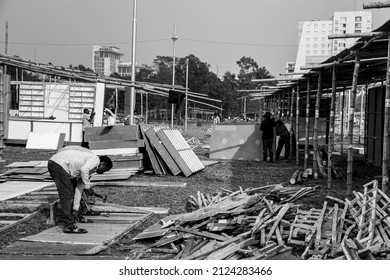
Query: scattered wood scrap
[[245, 224], [351, 229]]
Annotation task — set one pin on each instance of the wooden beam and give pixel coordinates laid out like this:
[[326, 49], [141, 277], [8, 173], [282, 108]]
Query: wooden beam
[[386, 131], [307, 125], [316, 121], [351, 118], [331, 126], [357, 35], [376, 5], [275, 80], [297, 127]]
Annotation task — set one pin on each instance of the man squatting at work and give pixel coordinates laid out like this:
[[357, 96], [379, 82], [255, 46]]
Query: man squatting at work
[[71, 169]]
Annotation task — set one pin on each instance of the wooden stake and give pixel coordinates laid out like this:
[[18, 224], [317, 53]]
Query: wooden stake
[[316, 119], [350, 125], [331, 127], [307, 125], [386, 130]]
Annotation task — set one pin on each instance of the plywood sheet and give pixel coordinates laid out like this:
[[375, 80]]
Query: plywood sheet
[[45, 140], [160, 148], [241, 142], [13, 189]]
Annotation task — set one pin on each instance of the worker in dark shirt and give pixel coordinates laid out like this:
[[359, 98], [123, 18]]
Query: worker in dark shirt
[[267, 127], [284, 140]]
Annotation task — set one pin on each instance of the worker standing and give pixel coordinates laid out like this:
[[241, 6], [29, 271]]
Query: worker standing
[[87, 122], [267, 127], [284, 140], [71, 170]]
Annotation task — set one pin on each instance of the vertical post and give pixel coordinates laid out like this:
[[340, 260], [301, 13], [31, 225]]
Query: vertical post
[[132, 88], [278, 107], [146, 108], [386, 127], [6, 40], [291, 123], [283, 102], [307, 124], [331, 126], [350, 125], [174, 38], [316, 120], [2, 117], [142, 102], [342, 122], [297, 127], [186, 102], [244, 101]]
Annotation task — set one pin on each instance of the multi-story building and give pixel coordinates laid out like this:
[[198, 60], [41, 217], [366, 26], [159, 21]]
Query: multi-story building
[[105, 60], [315, 46]]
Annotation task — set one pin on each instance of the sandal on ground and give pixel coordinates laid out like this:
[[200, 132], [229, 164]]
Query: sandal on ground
[[84, 220], [92, 213], [75, 229]]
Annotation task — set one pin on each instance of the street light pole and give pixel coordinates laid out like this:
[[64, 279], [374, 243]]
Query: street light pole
[[132, 88], [174, 38], [186, 104]]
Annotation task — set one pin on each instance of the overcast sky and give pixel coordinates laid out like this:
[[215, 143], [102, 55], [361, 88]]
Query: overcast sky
[[218, 32]]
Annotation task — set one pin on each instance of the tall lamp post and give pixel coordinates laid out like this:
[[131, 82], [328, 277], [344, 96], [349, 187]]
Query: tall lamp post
[[174, 38], [132, 88]]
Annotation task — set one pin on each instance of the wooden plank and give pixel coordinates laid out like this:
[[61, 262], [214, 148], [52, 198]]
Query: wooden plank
[[111, 130], [115, 208], [116, 152], [13, 189], [158, 184], [40, 170], [232, 248], [156, 230], [22, 164], [201, 233], [112, 144], [109, 177], [168, 160], [130, 136]]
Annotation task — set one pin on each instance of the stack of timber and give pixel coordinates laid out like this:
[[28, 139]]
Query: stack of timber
[[351, 229], [122, 143], [26, 171], [245, 224], [169, 152]]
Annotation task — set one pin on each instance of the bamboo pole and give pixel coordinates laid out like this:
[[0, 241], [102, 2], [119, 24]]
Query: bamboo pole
[[316, 119], [342, 122], [331, 127], [283, 103], [278, 106], [307, 125], [386, 130], [297, 128], [350, 125], [291, 123], [2, 93]]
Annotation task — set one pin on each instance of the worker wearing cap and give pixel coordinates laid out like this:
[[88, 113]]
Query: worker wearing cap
[[71, 170], [267, 127]]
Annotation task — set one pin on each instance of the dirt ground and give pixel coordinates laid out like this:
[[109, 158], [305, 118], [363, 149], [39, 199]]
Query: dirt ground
[[227, 174]]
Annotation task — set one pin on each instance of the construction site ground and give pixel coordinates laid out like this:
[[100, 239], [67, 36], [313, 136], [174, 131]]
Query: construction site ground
[[227, 174]]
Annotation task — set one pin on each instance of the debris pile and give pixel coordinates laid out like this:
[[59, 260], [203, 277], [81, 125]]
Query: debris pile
[[245, 224], [265, 223]]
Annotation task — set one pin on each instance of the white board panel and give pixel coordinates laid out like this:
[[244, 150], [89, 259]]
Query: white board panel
[[45, 140]]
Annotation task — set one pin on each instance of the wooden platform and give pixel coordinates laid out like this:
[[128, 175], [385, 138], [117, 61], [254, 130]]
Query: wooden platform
[[106, 229]]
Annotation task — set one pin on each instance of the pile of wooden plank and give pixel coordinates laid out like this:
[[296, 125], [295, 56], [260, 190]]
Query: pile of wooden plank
[[245, 224], [351, 229], [169, 152], [122, 143], [26, 171]]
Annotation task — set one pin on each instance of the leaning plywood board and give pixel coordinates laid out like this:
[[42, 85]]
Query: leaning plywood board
[[181, 152], [170, 162], [45, 140], [13, 189], [157, 168], [117, 144], [112, 133]]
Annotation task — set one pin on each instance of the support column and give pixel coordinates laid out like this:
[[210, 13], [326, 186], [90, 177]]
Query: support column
[[291, 123], [307, 124], [316, 120], [350, 125], [342, 122], [386, 126], [297, 128], [331, 127]]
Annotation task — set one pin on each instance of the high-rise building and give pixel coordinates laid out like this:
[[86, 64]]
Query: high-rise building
[[105, 60], [315, 47]]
